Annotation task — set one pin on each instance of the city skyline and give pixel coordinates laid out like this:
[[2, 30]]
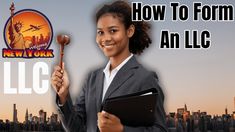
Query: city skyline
[[29, 117], [22, 118], [182, 120], [42, 122]]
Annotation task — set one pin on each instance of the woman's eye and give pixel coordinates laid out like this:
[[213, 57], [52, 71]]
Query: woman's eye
[[99, 32], [113, 30]]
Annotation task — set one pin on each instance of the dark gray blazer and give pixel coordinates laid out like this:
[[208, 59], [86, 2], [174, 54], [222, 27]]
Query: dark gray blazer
[[131, 78]]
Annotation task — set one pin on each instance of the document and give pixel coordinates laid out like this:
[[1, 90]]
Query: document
[[135, 109]]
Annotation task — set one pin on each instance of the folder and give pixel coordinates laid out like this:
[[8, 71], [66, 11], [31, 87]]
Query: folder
[[137, 109]]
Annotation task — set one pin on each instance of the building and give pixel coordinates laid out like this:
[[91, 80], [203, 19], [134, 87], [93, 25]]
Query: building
[[42, 116], [53, 118], [180, 111], [15, 120], [26, 116], [226, 111], [30, 117]]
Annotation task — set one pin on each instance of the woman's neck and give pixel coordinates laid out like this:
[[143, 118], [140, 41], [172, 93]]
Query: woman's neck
[[115, 61]]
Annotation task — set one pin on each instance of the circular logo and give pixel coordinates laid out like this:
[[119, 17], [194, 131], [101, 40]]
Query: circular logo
[[28, 29]]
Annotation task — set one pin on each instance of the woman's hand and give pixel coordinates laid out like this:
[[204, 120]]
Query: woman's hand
[[109, 123], [60, 82]]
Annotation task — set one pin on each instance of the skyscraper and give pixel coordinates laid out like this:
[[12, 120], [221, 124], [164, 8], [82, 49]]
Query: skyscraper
[[226, 111], [15, 120], [26, 116], [54, 118], [185, 107], [42, 116]]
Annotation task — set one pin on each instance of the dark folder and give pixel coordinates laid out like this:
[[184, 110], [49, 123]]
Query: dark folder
[[133, 109]]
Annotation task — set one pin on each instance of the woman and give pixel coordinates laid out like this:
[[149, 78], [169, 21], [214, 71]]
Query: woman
[[119, 38]]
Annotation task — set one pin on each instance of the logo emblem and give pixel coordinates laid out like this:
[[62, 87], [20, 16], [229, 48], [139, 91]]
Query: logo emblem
[[28, 34]]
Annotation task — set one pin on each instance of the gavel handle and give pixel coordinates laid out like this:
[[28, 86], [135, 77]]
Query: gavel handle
[[61, 55]]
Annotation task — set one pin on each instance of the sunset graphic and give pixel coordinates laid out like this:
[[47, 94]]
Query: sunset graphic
[[35, 29]]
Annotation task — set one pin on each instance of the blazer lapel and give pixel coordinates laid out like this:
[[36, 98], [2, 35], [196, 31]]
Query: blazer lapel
[[99, 89], [123, 75]]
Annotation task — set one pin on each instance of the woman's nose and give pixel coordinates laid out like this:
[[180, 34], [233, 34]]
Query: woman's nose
[[107, 37]]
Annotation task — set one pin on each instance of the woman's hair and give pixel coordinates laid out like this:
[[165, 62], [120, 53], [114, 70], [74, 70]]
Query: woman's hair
[[140, 40]]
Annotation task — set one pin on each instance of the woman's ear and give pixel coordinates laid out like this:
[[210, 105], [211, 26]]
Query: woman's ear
[[130, 31]]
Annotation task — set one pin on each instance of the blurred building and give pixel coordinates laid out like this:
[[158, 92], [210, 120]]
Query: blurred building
[[26, 116], [42, 116], [15, 120]]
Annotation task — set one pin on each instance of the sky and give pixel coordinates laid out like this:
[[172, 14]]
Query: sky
[[204, 79]]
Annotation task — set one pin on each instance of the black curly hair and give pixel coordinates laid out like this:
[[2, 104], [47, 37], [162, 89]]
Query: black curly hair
[[140, 40]]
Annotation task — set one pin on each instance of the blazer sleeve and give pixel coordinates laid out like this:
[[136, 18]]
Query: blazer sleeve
[[74, 116], [151, 81]]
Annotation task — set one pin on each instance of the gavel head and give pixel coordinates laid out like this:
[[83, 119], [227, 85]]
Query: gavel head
[[63, 39]]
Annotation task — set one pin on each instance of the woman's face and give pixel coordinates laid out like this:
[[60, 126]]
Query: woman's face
[[112, 36]]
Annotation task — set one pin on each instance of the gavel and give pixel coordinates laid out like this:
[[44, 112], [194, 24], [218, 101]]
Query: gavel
[[62, 40]]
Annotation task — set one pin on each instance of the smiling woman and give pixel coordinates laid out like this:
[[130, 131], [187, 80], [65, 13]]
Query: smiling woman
[[113, 38], [119, 38]]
